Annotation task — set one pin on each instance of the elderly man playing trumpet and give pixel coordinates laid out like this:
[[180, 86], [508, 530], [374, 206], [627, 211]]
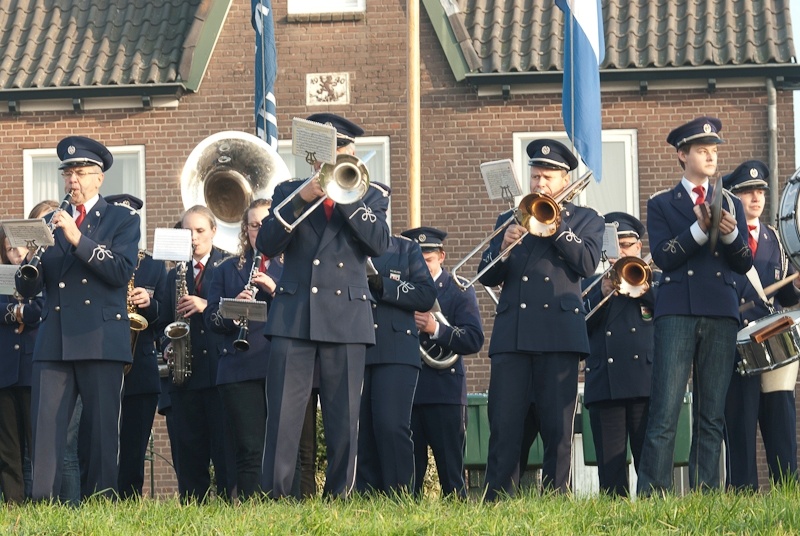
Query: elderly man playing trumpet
[[539, 333]]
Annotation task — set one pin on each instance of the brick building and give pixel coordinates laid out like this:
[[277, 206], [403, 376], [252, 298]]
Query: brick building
[[153, 78]]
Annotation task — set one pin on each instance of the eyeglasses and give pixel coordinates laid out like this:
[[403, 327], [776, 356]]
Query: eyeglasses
[[67, 173], [254, 226], [627, 245]]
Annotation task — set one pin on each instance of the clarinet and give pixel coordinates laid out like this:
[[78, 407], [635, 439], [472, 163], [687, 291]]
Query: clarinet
[[241, 343], [30, 271]]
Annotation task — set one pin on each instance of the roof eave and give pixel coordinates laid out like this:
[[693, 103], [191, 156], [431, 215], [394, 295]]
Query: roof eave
[[84, 92], [790, 72]]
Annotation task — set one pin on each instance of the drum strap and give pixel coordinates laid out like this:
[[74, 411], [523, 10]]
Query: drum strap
[[752, 276]]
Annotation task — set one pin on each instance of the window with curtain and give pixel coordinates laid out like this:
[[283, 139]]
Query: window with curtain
[[43, 181], [374, 150]]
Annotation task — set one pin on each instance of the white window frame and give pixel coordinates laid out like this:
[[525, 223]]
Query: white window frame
[[629, 166], [314, 7], [30, 155], [379, 168]]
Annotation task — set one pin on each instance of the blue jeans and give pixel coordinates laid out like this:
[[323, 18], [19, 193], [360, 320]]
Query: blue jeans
[[705, 346]]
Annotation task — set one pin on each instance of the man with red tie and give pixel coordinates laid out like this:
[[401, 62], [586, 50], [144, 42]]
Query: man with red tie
[[696, 311], [766, 399], [84, 338]]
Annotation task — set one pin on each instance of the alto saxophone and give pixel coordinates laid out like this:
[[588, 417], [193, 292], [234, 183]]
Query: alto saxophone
[[138, 322], [179, 355]]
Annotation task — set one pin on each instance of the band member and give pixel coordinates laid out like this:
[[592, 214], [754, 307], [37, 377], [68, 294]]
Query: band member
[[84, 338], [385, 449], [539, 333], [750, 399], [696, 311], [619, 366], [438, 418], [141, 385], [17, 338], [199, 421], [321, 315], [242, 372]]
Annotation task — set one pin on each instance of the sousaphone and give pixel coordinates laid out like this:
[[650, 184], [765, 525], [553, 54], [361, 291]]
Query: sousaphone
[[226, 172]]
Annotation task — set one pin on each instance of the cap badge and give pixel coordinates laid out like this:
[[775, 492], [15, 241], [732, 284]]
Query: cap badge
[[545, 149], [753, 172], [707, 128], [422, 238], [71, 149]]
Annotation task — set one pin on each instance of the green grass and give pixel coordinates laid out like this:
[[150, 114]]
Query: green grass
[[775, 512]]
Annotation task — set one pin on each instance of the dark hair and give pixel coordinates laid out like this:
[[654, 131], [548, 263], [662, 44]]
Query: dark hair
[[244, 239], [3, 254]]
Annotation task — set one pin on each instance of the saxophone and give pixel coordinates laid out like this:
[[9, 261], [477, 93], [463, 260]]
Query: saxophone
[[179, 355], [138, 322]]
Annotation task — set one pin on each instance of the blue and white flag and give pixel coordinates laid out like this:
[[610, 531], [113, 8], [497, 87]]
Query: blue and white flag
[[265, 71], [584, 50]]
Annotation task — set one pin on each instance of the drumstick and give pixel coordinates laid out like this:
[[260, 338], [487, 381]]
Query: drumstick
[[771, 289]]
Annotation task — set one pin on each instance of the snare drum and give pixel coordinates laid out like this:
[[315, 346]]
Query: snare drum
[[774, 352]]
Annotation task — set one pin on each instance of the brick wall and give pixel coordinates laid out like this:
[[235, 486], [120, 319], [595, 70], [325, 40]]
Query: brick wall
[[459, 130]]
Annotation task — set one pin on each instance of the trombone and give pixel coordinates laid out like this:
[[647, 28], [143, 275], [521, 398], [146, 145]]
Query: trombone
[[345, 182], [630, 276], [539, 213]]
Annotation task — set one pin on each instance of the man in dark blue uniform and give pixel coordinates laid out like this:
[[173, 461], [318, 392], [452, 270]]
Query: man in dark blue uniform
[[539, 332], [84, 339], [620, 363], [402, 286], [321, 315], [141, 385], [697, 310], [752, 399], [440, 402]]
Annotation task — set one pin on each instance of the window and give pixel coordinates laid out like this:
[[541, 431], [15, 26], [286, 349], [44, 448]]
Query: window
[[619, 190], [373, 148], [42, 179], [312, 7]]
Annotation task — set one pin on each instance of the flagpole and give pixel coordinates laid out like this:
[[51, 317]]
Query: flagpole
[[571, 135], [413, 115]]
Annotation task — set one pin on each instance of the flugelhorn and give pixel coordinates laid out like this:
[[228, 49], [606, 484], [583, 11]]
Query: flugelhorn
[[241, 343], [630, 276], [540, 214], [345, 182], [31, 270]]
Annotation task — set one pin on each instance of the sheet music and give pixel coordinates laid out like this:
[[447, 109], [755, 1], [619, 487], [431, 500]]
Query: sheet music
[[172, 244], [7, 275], [611, 241], [310, 138], [28, 233], [500, 179], [233, 309]]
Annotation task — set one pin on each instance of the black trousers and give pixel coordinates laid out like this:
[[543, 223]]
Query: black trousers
[[138, 412], [201, 438], [246, 413], [15, 439], [442, 427]]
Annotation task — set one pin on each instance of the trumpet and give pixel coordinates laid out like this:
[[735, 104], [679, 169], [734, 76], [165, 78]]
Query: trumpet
[[241, 343], [540, 214], [345, 182], [442, 359], [30, 271], [630, 276]]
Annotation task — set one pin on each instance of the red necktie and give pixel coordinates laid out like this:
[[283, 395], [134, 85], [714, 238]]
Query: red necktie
[[701, 195], [198, 279], [751, 240], [263, 266], [81, 215], [328, 204]]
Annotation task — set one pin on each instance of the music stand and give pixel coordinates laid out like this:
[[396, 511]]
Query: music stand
[[252, 311]]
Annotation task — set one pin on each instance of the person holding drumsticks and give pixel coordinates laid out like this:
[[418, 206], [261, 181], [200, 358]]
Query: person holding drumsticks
[[768, 398]]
